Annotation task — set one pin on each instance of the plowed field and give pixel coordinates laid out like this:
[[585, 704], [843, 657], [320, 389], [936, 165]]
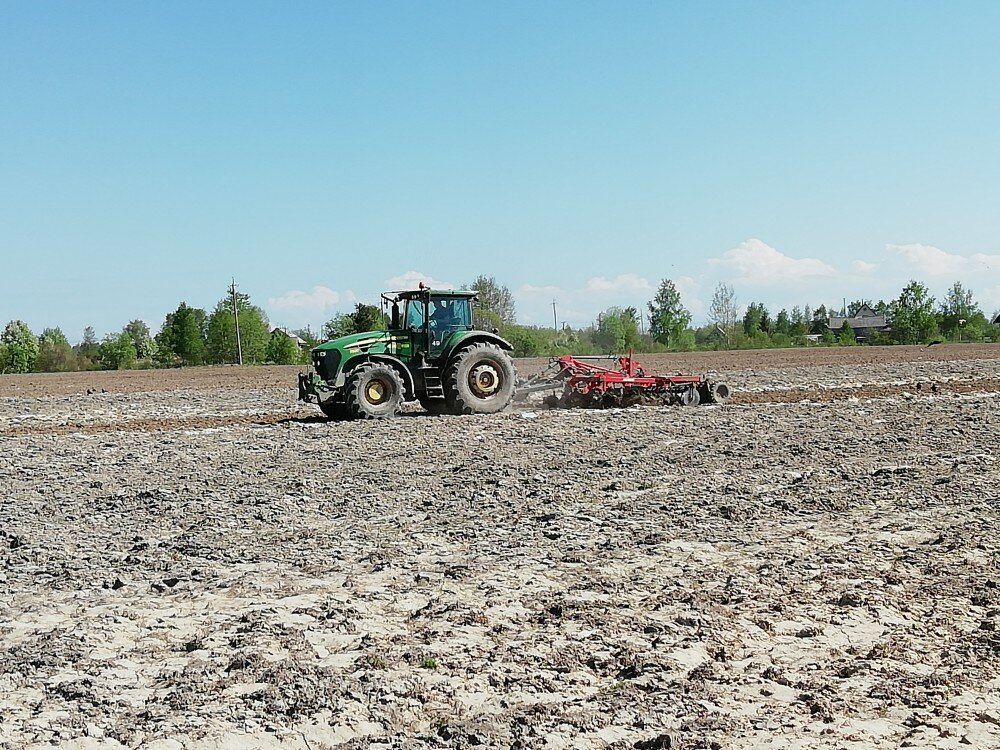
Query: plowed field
[[190, 559]]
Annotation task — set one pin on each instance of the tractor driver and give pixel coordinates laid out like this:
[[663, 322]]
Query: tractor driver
[[444, 315]]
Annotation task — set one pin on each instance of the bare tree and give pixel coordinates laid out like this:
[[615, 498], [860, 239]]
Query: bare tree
[[724, 312]]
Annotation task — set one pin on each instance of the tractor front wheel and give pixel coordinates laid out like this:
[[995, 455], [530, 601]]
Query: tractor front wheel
[[373, 391], [480, 380]]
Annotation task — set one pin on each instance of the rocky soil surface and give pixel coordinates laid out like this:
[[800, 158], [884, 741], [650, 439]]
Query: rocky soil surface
[[207, 565]]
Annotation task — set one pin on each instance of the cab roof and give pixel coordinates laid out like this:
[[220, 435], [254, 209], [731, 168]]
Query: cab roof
[[411, 293]]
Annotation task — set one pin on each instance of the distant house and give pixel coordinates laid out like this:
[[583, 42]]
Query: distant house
[[299, 342], [864, 323]]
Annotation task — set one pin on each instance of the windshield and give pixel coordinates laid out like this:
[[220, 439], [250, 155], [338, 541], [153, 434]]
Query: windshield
[[450, 313]]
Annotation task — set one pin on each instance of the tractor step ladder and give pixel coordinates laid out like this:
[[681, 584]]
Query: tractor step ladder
[[432, 382]]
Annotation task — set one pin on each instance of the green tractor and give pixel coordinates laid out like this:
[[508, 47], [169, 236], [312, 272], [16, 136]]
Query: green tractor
[[430, 353]]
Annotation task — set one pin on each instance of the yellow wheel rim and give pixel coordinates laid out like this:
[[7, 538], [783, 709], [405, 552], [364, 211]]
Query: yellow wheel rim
[[376, 392]]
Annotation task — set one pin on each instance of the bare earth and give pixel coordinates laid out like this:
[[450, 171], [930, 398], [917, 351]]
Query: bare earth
[[191, 560]]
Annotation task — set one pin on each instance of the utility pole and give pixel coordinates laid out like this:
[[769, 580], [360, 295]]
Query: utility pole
[[555, 323], [236, 320]]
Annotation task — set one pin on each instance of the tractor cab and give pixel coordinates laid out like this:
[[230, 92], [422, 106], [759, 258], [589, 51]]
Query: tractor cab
[[431, 317]]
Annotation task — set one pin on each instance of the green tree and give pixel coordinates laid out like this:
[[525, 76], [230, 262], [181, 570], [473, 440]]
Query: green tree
[[117, 352], [142, 341], [912, 315], [846, 336], [341, 324], [617, 330], [20, 348], [960, 315], [486, 320], [181, 339], [756, 321], [364, 318], [528, 341], [782, 323], [254, 331], [86, 352], [367, 318], [820, 320], [54, 352], [799, 323], [282, 349], [668, 317], [493, 298]]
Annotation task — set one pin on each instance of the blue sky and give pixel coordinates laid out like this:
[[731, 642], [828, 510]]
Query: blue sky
[[320, 152]]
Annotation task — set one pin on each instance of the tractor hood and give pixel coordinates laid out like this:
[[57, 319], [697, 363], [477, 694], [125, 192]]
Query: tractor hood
[[355, 341]]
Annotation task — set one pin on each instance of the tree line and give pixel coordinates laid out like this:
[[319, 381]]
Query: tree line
[[914, 317], [193, 336], [188, 336]]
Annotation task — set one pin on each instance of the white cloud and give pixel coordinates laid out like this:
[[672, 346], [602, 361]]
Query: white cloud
[[757, 263], [317, 300], [530, 290], [626, 282], [928, 260], [299, 308], [412, 279], [862, 267], [989, 300]]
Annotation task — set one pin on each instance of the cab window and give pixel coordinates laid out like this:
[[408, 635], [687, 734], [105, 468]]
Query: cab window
[[414, 314], [450, 313]]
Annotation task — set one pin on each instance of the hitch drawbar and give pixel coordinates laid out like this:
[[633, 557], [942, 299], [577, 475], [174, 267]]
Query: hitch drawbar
[[585, 383]]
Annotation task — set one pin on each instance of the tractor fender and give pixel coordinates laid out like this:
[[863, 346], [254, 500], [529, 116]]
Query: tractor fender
[[479, 337], [394, 362]]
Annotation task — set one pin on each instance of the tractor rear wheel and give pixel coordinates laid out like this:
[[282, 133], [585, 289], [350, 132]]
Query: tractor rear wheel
[[373, 391], [480, 380]]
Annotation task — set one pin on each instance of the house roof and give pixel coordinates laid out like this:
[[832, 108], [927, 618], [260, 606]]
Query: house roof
[[300, 341], [836, 322]]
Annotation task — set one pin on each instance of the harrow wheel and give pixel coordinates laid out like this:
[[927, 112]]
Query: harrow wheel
[[720, 393], [690, 397], [480, 380], [373, 391]]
